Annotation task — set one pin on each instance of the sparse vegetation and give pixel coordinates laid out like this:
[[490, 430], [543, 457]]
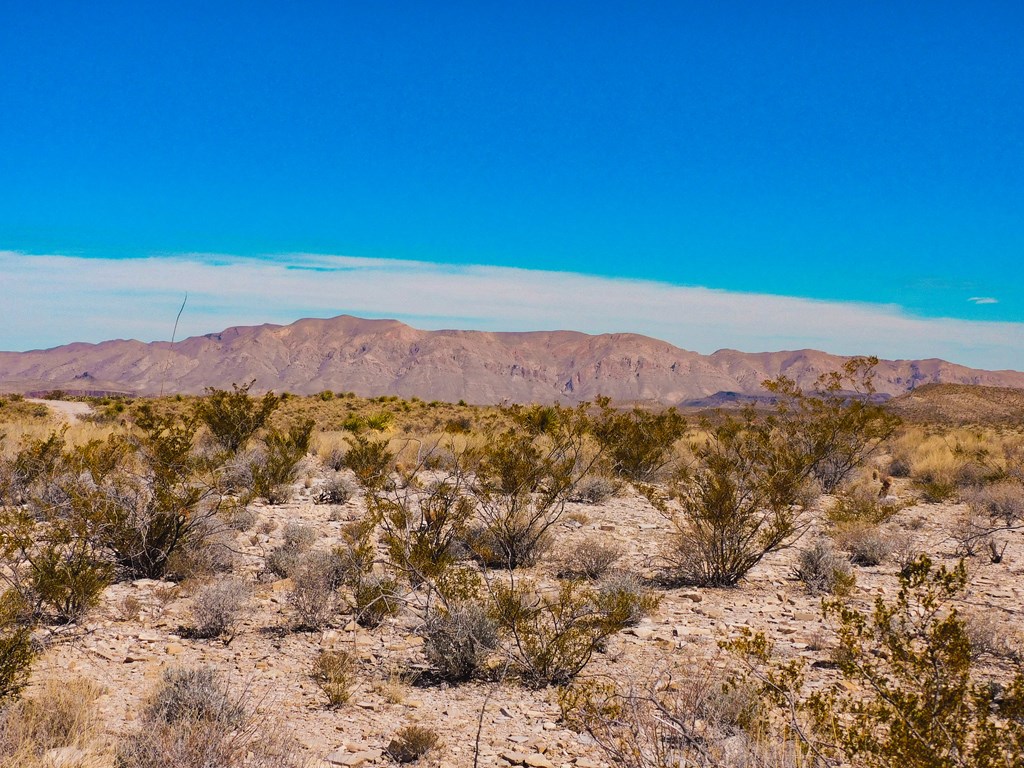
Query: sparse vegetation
[[193, 720], [590, 559], [553, 637], [216, 608], [435, 572], [868, 544]]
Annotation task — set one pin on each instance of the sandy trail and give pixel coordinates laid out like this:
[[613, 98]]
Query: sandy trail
[[69, 410]]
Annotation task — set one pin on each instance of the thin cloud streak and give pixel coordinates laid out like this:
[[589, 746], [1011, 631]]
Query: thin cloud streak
[[55, 299], [983, 300]]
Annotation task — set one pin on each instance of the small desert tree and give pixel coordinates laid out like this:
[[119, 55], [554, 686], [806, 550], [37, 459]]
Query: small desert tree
[[741, 498], [638, 444], [521, 484], [838, 425], [234, 417], [164, 505]]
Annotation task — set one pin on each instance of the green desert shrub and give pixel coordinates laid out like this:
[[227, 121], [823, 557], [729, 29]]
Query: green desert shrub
[[838, 425], [551, 638], [908, 692], [335, 674], [233, 418], [623, 594], [742, 497], [16, 649], [375, 598], [275, 467], [522, 482], [639, 443], [370, 461]]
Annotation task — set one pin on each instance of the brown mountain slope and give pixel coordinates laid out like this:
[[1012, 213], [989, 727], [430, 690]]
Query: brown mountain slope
[[959, 404], [376, 357]]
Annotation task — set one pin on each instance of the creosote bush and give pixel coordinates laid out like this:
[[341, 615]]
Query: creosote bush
[[838, 425], [908, 692], [741, 499], [375, 598], [551, 638], [16, 650], [235, 417], [638, 444], [370, 461], [521, 484], [274, 468]]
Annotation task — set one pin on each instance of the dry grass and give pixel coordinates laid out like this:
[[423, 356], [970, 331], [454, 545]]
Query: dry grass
[[61, 719], [957, 456], [78, 433]]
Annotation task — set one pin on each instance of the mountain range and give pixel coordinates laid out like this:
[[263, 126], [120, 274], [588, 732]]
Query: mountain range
[[387, 357]]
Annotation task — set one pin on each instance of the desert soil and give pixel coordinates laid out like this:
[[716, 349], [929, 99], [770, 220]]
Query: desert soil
[[519, 726]]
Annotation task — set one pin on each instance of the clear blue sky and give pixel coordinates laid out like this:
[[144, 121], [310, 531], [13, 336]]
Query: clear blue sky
[[853, 151]]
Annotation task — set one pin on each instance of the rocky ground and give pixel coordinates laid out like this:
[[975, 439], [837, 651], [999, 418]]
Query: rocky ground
[[126, 653]]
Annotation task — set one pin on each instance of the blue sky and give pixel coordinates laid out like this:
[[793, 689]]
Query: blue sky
[[864, 153]]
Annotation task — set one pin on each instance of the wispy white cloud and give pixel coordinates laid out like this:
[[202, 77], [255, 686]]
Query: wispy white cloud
[[983, 300], [54, 299]]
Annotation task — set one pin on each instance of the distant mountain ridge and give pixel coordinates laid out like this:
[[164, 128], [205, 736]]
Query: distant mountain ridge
[[387, 357]]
